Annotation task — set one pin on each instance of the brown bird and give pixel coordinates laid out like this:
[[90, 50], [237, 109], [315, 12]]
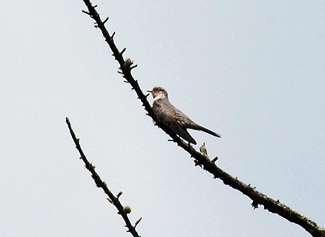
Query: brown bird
[[172, 117]]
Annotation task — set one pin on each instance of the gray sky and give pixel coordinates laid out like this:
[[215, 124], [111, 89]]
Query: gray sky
[[253, 72]]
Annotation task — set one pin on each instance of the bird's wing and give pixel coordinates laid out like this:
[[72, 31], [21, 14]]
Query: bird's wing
[[178, 115], [164, 112], [168, 115], [182, 132]]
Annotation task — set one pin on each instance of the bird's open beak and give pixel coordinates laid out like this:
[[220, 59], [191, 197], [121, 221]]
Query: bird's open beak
[[149, 91]]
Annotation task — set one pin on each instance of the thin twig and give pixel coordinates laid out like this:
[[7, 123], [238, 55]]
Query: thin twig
[[123, 211], [258, 198]]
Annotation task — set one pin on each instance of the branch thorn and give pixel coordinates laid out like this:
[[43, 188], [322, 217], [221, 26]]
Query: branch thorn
[[83, 11], [119, 194], [137, 222], [105, 20], [123, 50]]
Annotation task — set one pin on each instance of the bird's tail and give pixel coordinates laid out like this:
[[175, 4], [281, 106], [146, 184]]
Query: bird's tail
[[198, 127]]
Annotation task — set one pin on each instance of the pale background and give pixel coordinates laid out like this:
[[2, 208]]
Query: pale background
[[253, 72]]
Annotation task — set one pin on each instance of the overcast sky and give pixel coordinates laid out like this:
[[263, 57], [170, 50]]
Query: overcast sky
[[253, 72]]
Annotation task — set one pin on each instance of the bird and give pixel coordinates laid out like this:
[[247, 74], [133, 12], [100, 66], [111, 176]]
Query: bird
[[204, 152], [172, 117]]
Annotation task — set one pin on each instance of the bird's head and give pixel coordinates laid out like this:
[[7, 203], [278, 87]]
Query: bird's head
[[158, 91]]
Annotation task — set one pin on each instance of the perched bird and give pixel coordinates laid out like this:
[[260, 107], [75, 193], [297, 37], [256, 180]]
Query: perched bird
[[172, 117], [203, 151]]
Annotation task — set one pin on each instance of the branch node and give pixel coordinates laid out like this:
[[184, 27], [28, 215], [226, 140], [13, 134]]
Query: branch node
[[127, 209], [127, 63]]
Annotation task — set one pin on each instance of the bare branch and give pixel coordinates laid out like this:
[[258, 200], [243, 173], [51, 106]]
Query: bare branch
[[123, 211]]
